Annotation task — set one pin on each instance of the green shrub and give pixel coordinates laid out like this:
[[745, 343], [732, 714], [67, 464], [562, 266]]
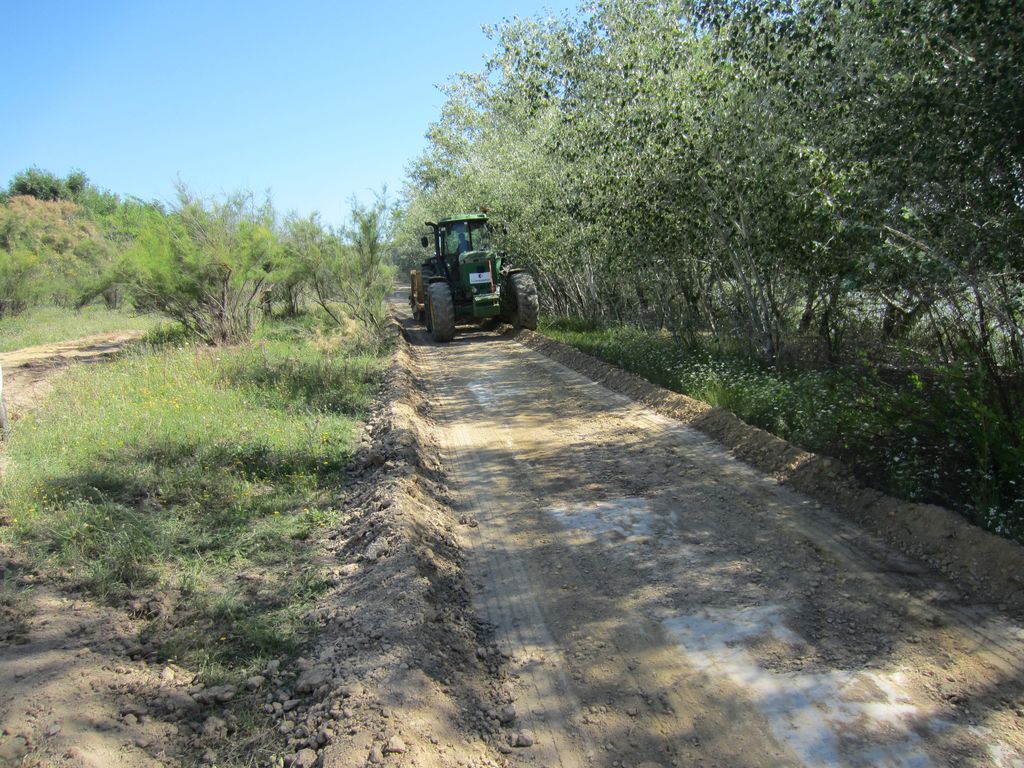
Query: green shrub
[[205, 265], [20, 287], [175, 472]]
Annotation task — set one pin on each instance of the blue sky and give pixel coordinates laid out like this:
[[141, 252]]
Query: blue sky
[[317, 101]]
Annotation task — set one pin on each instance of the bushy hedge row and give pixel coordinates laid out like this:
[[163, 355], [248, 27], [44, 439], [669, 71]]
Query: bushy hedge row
[[813, 186]]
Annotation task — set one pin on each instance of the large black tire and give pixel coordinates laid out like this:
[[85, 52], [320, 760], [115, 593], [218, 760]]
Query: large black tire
[[442, 312], [527, 305]]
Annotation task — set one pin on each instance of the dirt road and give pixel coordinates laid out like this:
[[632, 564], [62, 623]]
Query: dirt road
[[664, 604], [28, 372]]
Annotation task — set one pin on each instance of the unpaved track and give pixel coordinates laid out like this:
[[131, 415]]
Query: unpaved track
[[70, 694], [664, 604], [28, 372]]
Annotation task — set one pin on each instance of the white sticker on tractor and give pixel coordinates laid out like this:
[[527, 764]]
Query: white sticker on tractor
[[476, 278]]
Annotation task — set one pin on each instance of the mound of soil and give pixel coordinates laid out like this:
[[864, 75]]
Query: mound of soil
[[402, 668], [990, 567]]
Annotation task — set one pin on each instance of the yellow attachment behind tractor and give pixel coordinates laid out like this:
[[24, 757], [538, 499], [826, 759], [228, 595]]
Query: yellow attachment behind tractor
[[417, 296]]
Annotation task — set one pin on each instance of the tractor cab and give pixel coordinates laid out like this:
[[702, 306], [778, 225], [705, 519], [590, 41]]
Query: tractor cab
[[458, 237], [463, 257]]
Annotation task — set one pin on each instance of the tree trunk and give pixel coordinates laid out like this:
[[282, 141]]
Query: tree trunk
[[4, 425]]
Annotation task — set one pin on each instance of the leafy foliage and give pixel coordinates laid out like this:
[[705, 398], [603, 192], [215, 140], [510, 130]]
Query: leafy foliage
[[62, 239], [211, 265], [49, 249], [816, 186], [364, 275], [43, 185], [205, 265], [348, 269]]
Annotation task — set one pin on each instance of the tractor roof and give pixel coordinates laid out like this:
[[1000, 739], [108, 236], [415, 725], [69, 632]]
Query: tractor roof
[[463, 217]]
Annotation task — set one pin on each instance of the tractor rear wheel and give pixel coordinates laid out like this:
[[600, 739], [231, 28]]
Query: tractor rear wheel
[[442, 312], [527, 305]]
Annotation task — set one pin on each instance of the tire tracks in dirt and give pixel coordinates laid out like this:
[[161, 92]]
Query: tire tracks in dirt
[[971, 557], [28, 372], [663, 603]]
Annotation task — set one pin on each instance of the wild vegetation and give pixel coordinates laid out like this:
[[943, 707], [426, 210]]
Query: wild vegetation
[[184, 480], [212, 265], [195, 476], [174, 467], [47, 324], [833, 188]]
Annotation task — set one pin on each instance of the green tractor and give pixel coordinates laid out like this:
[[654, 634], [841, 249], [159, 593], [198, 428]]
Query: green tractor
[[466, 279]]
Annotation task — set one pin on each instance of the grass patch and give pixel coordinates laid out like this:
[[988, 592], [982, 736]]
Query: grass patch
[[47, 325], [191, 478], [920, 436]]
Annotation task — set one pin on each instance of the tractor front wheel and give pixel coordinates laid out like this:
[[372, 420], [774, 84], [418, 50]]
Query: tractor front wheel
[[527, 307], [442, 312]]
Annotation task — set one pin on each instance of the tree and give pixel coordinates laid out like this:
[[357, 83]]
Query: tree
[[39, 184], [774, 174], [309, 249], [206, 264], [50, 247], [364, 275], [348, 272], [44, 185]]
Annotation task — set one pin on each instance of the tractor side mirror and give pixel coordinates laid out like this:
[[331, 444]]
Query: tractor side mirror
[[424, 242]]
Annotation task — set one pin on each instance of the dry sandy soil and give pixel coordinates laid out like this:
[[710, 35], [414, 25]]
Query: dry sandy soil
[[533, 569], [28, 372], [664, 603]]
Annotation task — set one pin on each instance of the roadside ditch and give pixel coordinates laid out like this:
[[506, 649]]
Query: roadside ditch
[[979, 562]]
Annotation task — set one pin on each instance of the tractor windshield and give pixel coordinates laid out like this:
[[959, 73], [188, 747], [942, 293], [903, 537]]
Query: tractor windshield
[[463, 236], [479, 236], [456, 238]]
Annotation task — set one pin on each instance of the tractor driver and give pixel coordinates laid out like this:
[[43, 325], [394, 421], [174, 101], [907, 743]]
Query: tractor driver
[[457, 242]]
